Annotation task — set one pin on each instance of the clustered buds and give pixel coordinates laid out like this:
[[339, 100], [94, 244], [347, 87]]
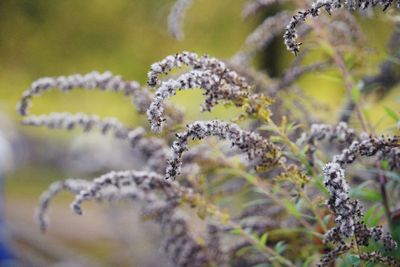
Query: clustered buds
[[377, 257], [339, 134], [348, 213], [290, 35], [141, 96], [254, 145], [208, 73], [369, 146], [92, 80], [160, 200], [69, 122], [146, 180], [346, 210], [393, 158], [154, 151], [334, 254], [74, 186], [178, 243]]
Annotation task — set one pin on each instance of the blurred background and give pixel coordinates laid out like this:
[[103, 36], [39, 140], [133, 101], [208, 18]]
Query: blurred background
[[51, 38]]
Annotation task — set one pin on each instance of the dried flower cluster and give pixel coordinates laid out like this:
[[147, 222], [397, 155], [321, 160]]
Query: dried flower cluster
[[69, 121], [92, 80], [376, 257], [348, 213], [141, 96], [290, 36], [340, 134], [141, 187], [75, 186], [208, 73], [153, 151], [255, 146], [263, 215]]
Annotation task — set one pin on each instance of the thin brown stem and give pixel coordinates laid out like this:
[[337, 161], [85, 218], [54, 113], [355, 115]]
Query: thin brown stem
[[382, 185]]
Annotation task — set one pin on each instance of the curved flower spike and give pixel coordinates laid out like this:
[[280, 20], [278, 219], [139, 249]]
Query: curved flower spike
[[254, 145]]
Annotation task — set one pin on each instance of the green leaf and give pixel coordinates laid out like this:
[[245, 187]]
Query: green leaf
[[353, 260], [291, 207], [393, 175], [318, 182], [263, 239], [385, 164], [266, 128], [280, 247], [308, 261], [299, 204], [373, 215], [291, 127], [365, 193], [243, 251], [392, 114], [275, 139], [247, 176], [257, 202], [236, 231], [326, 219]]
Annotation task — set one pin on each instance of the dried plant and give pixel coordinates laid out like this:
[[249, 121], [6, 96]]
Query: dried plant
[[291, 35], [256, 147], [273, 180], [348, 213], [141, 96], [210, 74]]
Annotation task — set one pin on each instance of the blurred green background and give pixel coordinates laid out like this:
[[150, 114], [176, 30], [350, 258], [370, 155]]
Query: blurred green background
[[50, 38]]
